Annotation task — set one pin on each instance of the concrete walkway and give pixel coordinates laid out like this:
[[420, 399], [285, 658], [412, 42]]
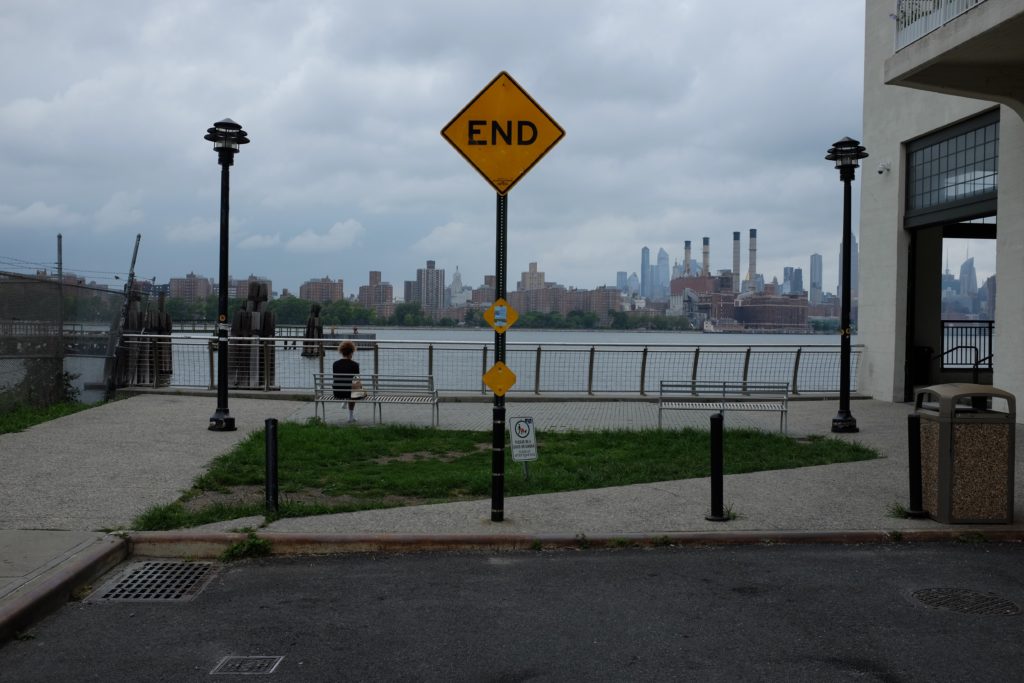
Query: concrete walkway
[[66, 482]]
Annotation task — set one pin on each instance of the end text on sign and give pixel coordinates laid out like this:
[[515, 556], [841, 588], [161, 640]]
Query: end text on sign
[[523, 133]]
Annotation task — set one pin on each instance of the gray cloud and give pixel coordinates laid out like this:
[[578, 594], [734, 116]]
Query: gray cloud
[[683, 119]]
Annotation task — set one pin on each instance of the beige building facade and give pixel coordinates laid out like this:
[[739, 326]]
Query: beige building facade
[[943, 107]]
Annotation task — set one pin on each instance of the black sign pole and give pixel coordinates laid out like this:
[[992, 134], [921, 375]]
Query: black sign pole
[[498, 430]]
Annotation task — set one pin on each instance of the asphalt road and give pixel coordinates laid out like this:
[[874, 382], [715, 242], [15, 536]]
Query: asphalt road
[[794, 613]]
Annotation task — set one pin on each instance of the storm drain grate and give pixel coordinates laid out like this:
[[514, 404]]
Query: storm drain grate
[[966, 601], [159, 582], [247, 665]]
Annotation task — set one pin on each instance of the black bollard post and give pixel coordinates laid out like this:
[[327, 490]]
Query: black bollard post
[[270, 439], [717, 471], [914, 465]]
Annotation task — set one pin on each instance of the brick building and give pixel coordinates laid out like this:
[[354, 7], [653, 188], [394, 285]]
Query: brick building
[[322, 291], [191, 288]]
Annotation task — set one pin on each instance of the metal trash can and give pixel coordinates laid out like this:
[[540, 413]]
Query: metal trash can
[[967, 453]]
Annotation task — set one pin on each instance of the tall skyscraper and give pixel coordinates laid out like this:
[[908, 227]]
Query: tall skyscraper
[[663, 270], [645, 272], [620, 280], [816, 279], [796, 282], [968, 278], [429, 289], [632, 284], [787, 280]]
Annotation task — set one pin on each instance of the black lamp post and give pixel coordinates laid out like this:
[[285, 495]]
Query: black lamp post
[[845, 153], [226, 137]]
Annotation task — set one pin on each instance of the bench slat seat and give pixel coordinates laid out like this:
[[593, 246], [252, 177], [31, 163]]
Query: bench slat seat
[[379, 389], [723, 396]]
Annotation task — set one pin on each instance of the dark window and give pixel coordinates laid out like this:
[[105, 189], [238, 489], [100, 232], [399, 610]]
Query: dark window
[[954, 173]]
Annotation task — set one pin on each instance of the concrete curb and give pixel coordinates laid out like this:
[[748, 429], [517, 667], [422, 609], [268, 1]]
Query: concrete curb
[[211, 545], [37, 600]]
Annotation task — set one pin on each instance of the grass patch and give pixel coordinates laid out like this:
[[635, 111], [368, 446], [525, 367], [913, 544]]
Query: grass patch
[[250, 547], [21, 417], [897, 511], [327, 468]]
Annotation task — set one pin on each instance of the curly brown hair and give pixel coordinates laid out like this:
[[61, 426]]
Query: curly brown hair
[[347, 348]]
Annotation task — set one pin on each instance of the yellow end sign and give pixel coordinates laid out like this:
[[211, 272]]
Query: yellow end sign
[[499, 378], [502, 132], [501, 316]]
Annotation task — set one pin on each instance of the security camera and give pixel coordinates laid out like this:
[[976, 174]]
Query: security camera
[[883, 168]]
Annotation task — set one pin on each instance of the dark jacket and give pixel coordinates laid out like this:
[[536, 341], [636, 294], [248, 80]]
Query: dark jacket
[[343, 385]]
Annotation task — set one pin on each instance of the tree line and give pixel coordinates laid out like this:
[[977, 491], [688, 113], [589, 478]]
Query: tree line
[[295, 311]]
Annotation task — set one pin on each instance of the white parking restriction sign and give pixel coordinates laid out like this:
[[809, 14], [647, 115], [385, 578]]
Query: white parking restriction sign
[[523, 438]]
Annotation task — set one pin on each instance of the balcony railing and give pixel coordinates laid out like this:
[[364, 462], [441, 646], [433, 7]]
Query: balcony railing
[[917, 18], [967, 344]]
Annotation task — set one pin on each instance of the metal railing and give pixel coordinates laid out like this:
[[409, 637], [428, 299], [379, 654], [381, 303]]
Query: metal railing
[[271, 364], [917, 18], [967, 344]]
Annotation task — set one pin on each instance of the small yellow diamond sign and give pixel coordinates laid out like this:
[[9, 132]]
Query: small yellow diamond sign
[[501, 316], [499, 378], [502, 132]]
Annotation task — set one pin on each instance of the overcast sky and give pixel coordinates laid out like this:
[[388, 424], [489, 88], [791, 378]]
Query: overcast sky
[[683, 120]]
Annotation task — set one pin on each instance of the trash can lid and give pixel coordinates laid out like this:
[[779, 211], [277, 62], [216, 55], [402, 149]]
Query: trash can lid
[[948, 395]]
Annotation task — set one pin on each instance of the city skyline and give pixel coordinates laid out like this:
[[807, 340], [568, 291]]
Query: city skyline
[[372, 278]]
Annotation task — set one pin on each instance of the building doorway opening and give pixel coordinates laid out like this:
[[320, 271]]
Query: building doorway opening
[[951, 304]]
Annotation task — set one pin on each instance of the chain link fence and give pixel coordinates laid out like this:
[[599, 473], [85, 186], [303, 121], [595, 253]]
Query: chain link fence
[[57, 339]]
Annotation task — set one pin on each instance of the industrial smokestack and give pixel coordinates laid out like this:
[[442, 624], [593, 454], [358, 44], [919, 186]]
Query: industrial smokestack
[[753, 258], [736, 262], [706, 268], [686, 260]]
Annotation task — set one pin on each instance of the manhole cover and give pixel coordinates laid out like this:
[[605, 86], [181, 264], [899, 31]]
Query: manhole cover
[[966, 601], [158, 582], [247, 665]]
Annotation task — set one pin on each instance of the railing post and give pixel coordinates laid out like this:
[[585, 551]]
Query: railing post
[[746, 367], [796, 370], [483, 371], [376, 358], [154, 366], [321, 356], [590, 374], [643, 372], [988, 341], [696, 359], [210, 347], [430, 359], [267, 348], [536, 373]]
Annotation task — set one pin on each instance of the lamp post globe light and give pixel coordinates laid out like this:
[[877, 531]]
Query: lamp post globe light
[[226, 136], [846, 153]]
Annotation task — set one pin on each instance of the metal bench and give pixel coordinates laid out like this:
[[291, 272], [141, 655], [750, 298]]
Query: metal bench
[[380, 389], [722, 396]]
